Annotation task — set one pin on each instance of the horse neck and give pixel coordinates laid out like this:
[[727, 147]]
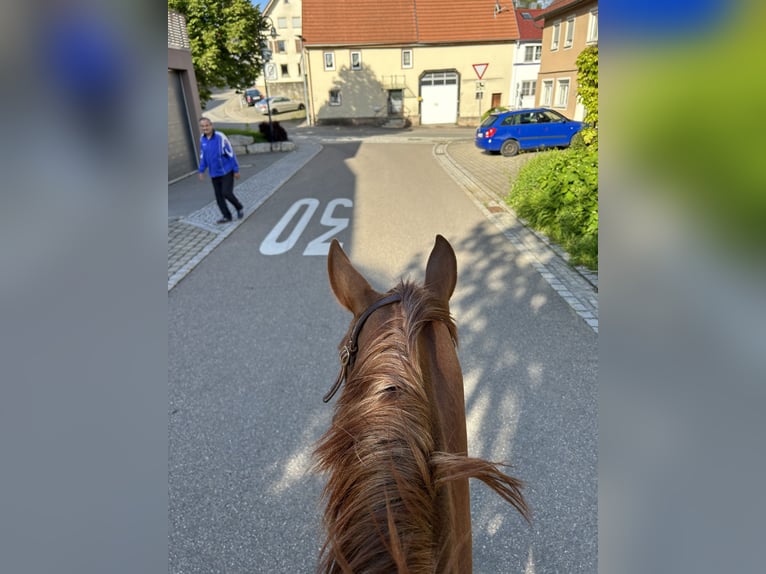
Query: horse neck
[[445, 384]]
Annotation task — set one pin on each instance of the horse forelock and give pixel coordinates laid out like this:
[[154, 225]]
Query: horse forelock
[[379, 498]]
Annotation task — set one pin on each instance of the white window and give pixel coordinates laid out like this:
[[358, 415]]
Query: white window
[[356, 60], [282, 22], [329, 60], [406, 58], [533, 53], [528, 88], [562, 93], [569, 40], [556, 33], [335, 97], [547, 98], [593, 26], [296, 21]]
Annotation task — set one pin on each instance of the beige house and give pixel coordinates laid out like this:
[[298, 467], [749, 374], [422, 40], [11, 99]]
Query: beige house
[[285, 72], [434, 62], [570, 26]]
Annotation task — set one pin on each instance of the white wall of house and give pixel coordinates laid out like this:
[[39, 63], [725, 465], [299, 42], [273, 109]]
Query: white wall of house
[[287, 57], [526, 66], [438, 84]]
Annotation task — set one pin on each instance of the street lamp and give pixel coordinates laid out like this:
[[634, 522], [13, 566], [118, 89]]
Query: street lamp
[[266, 56]]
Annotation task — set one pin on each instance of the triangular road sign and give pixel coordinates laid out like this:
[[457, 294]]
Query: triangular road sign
[[480, 69]]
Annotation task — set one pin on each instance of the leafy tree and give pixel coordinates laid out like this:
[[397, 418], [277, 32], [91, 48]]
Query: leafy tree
[[225, 42], [587, 80]]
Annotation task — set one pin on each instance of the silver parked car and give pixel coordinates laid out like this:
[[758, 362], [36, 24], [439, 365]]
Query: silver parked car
[[278, 104]]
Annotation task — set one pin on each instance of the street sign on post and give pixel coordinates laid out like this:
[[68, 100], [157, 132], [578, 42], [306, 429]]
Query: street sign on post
[[480, 69], [270, 71]]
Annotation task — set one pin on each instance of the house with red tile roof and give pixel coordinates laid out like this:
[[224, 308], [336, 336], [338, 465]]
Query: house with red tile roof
[[526, 60], [422, 61], [569, 26]]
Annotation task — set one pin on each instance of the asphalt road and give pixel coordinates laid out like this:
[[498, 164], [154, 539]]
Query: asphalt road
[[252, 348]]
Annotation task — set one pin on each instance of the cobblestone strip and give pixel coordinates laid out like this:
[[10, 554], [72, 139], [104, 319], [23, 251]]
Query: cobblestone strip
[[579, 293], [191, 238]]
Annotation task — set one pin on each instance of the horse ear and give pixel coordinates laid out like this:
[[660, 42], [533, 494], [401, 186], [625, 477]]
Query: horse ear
[[351, 289], [441, 270]]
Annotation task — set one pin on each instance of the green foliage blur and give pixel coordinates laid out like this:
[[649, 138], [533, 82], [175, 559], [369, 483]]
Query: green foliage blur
[[696, 127], [556, 192], [225, 37]]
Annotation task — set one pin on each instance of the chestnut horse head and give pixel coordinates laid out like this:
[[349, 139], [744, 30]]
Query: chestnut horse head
[[397, 498]]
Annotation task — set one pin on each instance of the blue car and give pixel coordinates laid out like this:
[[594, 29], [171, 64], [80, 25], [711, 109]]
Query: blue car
[[509, 132]]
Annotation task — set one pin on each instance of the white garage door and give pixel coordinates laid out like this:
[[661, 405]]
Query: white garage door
[[439, 93]]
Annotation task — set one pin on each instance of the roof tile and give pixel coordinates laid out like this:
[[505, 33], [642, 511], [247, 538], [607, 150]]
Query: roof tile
[[359, 22]]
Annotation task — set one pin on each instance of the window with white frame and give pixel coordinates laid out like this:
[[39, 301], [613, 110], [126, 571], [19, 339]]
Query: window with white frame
[[569, 38], [533, 53], [593, 26], [282, 22], [356, 60], [296, 21], [281, 49], [406, 58], [562, 93], [329, 60], [547, 98], [528, 88], [335, 97], [556, 32]]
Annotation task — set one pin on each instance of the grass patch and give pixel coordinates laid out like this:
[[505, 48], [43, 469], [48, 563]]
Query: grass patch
[[257, 136]]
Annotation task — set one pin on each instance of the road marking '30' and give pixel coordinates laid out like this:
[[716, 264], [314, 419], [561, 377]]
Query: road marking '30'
[[272, 245]]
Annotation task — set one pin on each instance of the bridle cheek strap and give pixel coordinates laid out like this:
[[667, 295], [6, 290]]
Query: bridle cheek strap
[[347, 353]]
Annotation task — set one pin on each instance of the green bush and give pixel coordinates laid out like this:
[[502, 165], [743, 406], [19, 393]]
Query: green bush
[[257, 136], [556, 192]]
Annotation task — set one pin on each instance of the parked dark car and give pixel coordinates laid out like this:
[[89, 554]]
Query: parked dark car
[[251, 96], [509, 132]]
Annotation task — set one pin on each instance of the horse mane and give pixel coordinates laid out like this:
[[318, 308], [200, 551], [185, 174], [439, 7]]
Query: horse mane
[[382, 457]]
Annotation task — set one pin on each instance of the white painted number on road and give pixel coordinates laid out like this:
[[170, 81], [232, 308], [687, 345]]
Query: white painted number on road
[[271, 245], [321, 245]]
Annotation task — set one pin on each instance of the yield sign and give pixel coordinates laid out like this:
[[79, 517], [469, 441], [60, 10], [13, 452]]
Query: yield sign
[[480, 69]]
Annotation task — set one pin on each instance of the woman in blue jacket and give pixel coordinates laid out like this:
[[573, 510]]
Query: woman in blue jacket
[[217, 156]]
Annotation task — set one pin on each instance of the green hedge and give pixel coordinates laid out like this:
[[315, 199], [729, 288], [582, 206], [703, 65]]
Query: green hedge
[[257, 136], [557, 193]]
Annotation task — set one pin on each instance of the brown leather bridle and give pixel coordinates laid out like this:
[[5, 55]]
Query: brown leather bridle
[[347, 353]]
